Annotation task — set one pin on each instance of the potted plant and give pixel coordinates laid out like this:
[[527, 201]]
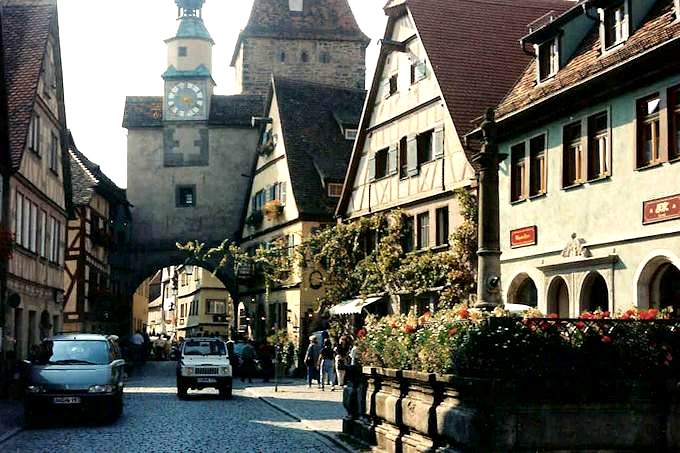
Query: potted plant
[[273, 209], [255, 218]]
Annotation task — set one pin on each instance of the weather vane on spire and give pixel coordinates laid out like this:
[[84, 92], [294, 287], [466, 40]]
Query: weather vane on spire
[[189, 7]]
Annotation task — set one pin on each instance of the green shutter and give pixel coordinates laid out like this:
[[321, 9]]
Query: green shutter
[[393, 160], [438, 142], [412, 155]]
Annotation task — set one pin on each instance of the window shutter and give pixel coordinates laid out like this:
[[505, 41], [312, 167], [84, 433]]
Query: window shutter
[[253, 203], [438, 142], [371, 168], [386, 88], [393, 157], [282, 192], [412, 155]]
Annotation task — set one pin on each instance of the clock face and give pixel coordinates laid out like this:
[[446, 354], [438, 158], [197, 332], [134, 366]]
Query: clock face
[[186, 100]]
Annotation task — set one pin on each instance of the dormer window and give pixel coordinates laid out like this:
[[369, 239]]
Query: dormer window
[[548, 59], [615, 25], [295, 5], [351, 134]]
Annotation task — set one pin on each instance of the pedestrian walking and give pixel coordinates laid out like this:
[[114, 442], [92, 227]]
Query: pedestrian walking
[[248, 356], [327, 365], [264, 355], [137, 347], [311, 359], [342, 359]]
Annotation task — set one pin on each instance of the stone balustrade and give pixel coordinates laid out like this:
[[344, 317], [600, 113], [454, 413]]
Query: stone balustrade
[[406, 411]]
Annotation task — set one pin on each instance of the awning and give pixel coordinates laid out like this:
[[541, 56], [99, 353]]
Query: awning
[[348, 307]]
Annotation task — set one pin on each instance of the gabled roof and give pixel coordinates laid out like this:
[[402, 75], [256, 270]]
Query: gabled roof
[[25, 28], [88, 178], [473, 46], [316, 149], [325, 20], [236, 111], [659, 27]]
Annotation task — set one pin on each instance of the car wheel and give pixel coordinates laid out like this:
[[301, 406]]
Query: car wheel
[[30, 417], [181, 390]]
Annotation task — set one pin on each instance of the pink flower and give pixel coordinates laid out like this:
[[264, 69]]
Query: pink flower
[[580, 325]]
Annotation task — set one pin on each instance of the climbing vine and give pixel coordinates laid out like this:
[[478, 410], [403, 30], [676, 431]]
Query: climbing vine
[[364, 257]]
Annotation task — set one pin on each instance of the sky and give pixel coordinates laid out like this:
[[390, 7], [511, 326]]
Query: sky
[[113, 49]]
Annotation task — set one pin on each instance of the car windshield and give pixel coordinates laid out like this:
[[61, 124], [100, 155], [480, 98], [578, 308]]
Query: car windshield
[[198, 347], [74, 352]]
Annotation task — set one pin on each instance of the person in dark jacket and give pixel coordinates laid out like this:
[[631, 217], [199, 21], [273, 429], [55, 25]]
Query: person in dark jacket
[[248, 356], [311, 359], [327, 365]]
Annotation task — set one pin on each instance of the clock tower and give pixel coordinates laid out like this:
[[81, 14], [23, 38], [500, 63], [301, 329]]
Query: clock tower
[[188, 80]]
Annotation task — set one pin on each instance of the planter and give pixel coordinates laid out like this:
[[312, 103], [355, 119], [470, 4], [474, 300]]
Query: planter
[[416, 412]]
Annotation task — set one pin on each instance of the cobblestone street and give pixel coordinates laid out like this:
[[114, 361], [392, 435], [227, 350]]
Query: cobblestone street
[[155, 420]]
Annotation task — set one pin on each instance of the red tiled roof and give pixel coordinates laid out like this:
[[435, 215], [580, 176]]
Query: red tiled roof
[[25, 29], [473, 46], [659, 27]]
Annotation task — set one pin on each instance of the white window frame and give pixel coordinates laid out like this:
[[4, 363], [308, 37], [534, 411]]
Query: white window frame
[[351, 134], [625, 27], [296, 5], [553, 46], [19, 217]]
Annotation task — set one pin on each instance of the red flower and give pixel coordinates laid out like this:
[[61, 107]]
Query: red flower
[[606, 314], [652, 313], [553, 316], [425, 318], [361, 333], [408, 328], [580, 325], [587, 315], [393, 325], [545, 326], [606, 339], [464, 313]]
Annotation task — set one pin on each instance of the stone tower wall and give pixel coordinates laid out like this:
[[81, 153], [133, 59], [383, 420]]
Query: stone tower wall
[[261, 57]]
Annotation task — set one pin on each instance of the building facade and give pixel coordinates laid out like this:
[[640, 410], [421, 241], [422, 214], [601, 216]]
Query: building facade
[[314, 40], [37, 190], [188, 149], [94, 298], [432, 79], [590, 205], [306, 140], [203, 307]]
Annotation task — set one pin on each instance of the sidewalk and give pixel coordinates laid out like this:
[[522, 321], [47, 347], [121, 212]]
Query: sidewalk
[[11, 418], [320, 411]]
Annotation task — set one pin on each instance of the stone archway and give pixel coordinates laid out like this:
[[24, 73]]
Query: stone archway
[[658, 282], [594, 293], [523, 291], [558, 298]]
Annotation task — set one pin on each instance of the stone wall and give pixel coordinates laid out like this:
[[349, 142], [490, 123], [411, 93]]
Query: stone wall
[[346, 66], [403, 411]]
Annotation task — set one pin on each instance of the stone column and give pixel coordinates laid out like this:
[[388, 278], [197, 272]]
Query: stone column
[[486, 163]]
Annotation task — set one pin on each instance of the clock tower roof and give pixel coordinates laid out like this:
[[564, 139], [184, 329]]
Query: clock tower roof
[[190, 15]]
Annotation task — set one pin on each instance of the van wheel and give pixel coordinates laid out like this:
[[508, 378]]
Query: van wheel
[[225, 392], [181, 390]]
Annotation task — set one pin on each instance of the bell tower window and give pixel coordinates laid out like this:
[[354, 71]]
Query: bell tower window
[[182, 51], [295, 5]]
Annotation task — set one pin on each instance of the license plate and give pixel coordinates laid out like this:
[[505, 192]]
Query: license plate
[[67, 400], [206, 380]]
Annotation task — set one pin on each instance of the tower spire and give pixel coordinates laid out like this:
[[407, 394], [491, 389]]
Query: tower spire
[[189, 8]]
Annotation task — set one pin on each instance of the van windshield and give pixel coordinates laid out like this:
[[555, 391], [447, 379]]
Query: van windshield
[[74, 352], [198, 347]]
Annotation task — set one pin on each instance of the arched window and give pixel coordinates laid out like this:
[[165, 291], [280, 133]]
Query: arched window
[[281, 56], [523, 291], [304, 57], [665, 288], [595, 294], [558, 298], [324, 57]]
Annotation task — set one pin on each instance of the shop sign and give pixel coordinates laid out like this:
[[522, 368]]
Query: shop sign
[[661, 209], [524, 237]]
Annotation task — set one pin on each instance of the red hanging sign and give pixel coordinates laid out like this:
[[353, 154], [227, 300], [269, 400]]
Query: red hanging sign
[[660, 210], [524, 237]]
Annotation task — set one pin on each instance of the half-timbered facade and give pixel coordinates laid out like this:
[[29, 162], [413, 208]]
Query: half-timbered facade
[[441, 62], [306, 141], [589, 195], [37, 199], [101, 214]]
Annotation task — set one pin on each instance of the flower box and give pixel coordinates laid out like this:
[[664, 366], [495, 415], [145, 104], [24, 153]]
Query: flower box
[[405, 411], [273, 209]]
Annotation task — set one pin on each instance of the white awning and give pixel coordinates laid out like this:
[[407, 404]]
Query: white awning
[[348, 307]]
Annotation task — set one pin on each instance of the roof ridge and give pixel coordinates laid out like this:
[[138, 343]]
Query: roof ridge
[[77, 158], [316, 83]]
